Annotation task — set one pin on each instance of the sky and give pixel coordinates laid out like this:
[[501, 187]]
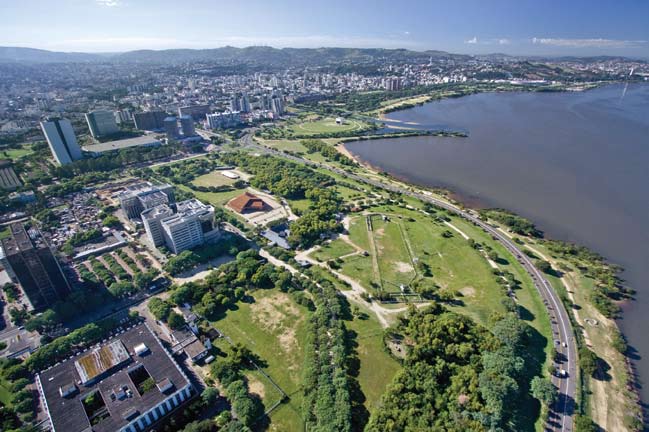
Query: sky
[[519, 27]]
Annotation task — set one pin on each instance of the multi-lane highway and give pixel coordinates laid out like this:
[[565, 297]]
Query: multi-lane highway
[[561, 415]]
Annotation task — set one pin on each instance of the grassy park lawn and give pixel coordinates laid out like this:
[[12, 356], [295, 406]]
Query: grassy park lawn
[[273, 326], [395, 264], [377, 367], [285, 145], [334, 249], [217, 198], [324, 126], [215, 178], [16, 153]]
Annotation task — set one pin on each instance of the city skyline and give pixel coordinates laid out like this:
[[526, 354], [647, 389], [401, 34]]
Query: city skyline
[[517, 28]]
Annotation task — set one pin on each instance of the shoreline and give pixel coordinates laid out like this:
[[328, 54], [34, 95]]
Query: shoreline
[[632, 383]]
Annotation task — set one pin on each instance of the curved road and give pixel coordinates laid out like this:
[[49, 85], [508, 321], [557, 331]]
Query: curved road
[[561, 414]]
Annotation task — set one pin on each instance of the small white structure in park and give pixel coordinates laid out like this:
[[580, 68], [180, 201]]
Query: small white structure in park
[[340, 120]]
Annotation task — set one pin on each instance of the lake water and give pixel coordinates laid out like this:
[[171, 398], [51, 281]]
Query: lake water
[[577, 164]]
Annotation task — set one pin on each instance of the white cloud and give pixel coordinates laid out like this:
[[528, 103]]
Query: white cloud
[[108, 3], [473, 40], [504, 41], [588, 43]]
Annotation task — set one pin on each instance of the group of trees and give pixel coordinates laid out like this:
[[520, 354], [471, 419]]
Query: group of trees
[[327, 383], [62, 347], [326, 150], [115, 160], [516, 223], [189, 259], [457, 375], [228, 371], [294, 181], [162, 310], [220, 290], [16, 377], [75, 184], [608, 288], [186, 171]]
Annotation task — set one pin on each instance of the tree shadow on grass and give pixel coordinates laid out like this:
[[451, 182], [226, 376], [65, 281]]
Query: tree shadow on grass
[[528, 408], [360, 414], [525, 314]]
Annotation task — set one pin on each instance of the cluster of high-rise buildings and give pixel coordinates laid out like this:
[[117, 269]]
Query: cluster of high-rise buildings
[[177, 225]]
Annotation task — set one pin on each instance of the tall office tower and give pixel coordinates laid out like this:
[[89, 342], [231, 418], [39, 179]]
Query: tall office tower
[[277, 105], [235, 103], [149, 120], [135, 199], [62, 141], [151, 219], [392, 83], [197, 112], [27, 257], [171, 128], [101, 123], [244, 103], [223, 120], [191, 225], [266, 102], [187, 126], [123, 116]]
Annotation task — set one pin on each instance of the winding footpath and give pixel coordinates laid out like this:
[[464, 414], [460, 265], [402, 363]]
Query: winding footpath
[[563, 410]]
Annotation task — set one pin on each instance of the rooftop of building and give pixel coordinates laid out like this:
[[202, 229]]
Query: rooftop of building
[[119, 365], [122, 144], [142, 188], [161, 210], [153, 196], [21, 240], [247, 202]]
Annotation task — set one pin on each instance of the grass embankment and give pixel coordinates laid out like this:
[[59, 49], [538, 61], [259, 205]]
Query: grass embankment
[[608, 398], [273, 327]]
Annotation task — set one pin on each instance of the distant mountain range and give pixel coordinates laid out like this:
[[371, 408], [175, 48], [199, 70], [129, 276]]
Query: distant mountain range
[[263, 55], [253, 54]]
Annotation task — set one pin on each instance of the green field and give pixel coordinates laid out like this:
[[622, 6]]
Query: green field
[[377, 367], [285, 145], [334, 249], [395, 263], [215, 178], [274, 328], [217, 198], [16, 153], [325, 126]]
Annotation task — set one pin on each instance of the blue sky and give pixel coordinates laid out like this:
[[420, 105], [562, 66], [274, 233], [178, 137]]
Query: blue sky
[[542, 27]]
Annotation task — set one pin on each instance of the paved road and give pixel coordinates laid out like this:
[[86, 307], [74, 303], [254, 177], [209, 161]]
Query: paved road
[[561, 415]]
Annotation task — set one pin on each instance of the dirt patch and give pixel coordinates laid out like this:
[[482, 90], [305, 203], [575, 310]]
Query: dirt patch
[[256, 387], [379, 232], [468, 291], [279, 315], [403, 267]]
